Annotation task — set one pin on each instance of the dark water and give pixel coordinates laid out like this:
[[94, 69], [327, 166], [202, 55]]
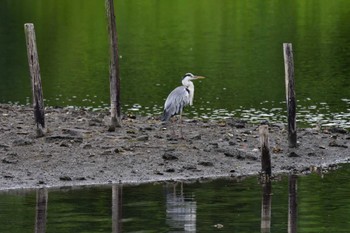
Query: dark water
[[237, 44], [322, 205]]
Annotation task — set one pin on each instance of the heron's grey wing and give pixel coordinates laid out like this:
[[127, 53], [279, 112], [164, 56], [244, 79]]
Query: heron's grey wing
[[175, 102]]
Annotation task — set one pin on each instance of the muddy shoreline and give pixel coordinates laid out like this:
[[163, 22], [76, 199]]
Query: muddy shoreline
[[79, 150]]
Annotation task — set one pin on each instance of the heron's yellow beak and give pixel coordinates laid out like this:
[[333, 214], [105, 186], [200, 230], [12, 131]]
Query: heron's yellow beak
[[200, 77]]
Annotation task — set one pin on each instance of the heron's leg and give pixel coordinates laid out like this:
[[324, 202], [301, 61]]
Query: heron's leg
[[173, 128], [180, 125]]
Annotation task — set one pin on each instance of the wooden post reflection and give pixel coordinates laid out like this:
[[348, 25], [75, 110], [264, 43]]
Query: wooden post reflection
[[266, 208], [41, 210], [292, 207], [117, 201]]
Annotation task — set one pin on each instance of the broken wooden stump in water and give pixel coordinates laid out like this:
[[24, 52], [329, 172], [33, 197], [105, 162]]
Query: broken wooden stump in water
[[114, 80], [290, 94], [265, 151], [34, 68]]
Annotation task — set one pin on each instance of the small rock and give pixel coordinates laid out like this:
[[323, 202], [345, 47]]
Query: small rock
[[206, 164], [277, 150], [190, 167], [10, 161], [148, 128], [4, 146], [130, 116], [130, 132], [232, 143], [239, 124], [234, 154], [158, 173], [207, 149], [170, 170], [22, 142], [335, 144], [87, 146], [170, 149], [95, 122], [142, 138], [58, 138], [106, 152], [65, 178], [64, 144], [293, 155], [338, 130], [172, 138], [214, 144], [80, 178], [118, 150], [197, 137], [76, 132], [169, 156], [288, 167]]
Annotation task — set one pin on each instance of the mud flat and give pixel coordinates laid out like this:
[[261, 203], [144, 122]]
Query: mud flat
[[78, 149]]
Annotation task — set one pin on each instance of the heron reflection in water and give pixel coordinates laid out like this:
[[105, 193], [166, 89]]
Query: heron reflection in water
[[181, 209]]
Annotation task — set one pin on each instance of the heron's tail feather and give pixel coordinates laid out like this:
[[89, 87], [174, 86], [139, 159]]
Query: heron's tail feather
[[166, 115]]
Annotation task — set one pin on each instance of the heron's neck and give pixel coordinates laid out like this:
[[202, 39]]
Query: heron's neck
[[190, 87], [187, 83]]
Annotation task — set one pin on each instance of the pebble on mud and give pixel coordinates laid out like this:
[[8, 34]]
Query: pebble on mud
[[169, 156], [65, 178]]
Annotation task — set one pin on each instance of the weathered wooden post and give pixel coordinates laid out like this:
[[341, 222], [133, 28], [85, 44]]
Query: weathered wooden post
[[265, 151], [117, 199], [114, 80], [266, 208], [41, 210], [290, 93], [292, 204], [34, 68]]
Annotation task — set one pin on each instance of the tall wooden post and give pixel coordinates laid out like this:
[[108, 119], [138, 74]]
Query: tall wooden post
[[290, 94], [34, 68], [265, 151], [114, 80], [41, 210]]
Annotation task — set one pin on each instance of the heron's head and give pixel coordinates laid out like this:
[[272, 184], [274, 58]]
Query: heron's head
[[190, 77]]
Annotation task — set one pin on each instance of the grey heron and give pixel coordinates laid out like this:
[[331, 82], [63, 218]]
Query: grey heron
[[180, 97]]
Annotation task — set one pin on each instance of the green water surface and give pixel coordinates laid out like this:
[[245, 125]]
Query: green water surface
[[237, 44], [323, 205]]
